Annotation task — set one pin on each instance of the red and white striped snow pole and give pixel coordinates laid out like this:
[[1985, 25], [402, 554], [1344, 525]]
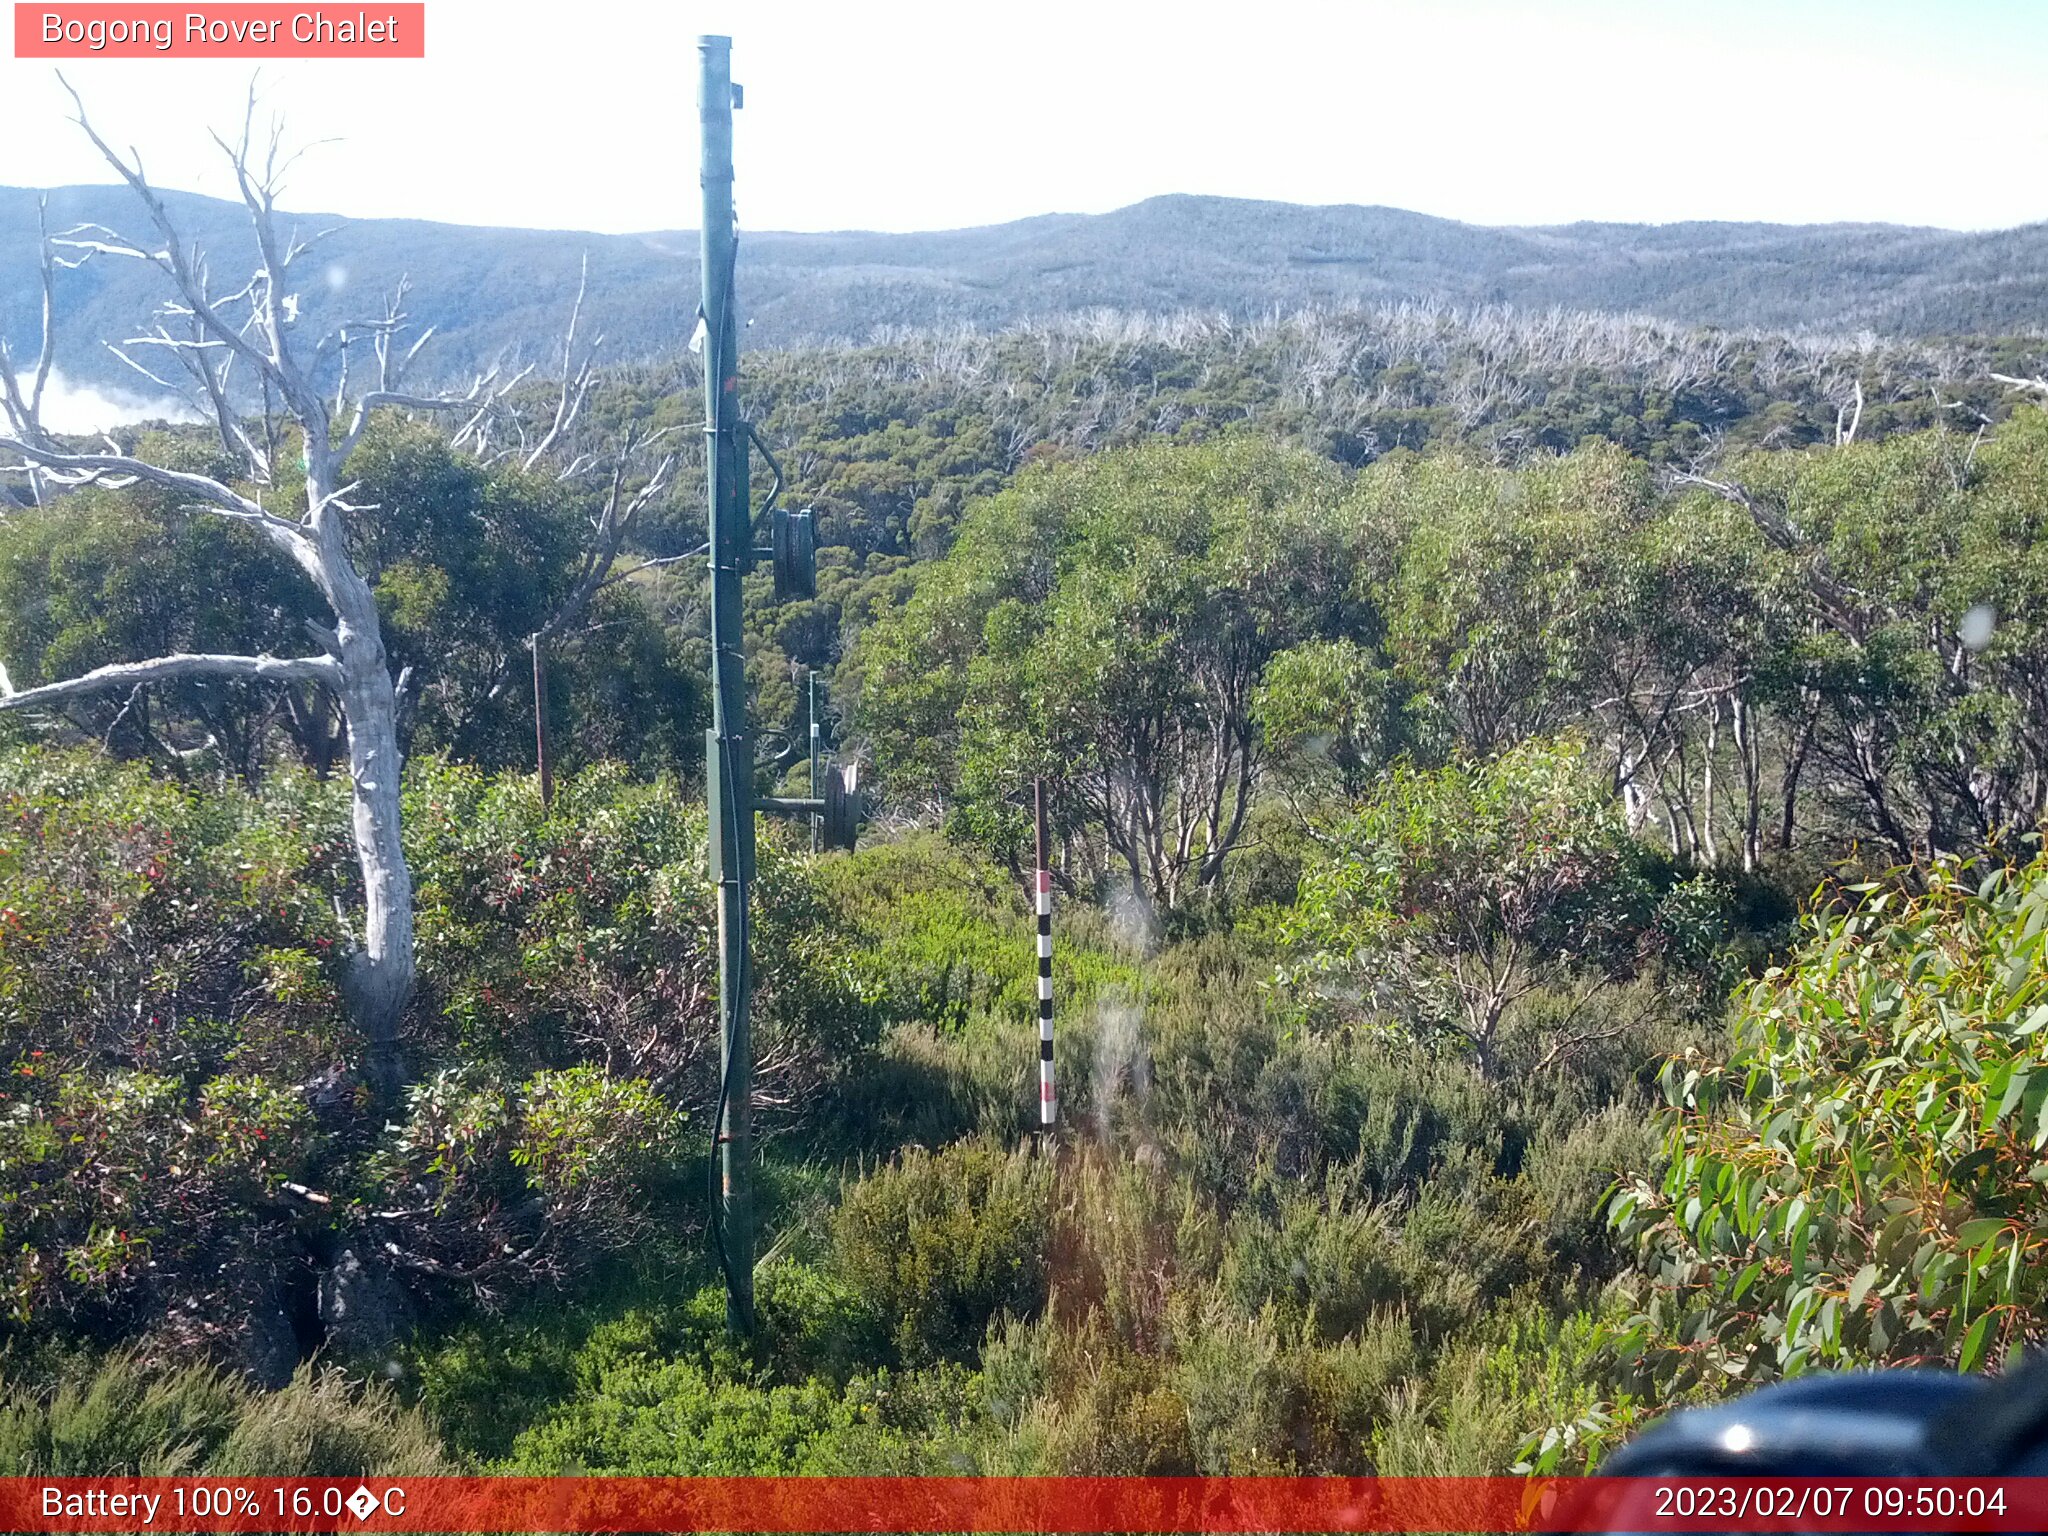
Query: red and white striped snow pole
[[1048, 1105]]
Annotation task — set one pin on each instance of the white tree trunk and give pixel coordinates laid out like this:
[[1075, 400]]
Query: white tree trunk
[[381, 972]]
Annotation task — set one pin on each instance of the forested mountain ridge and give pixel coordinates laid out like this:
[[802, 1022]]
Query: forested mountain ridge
[[491, 291]]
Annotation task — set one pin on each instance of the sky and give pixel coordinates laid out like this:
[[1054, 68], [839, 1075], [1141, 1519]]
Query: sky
[[901, 115]]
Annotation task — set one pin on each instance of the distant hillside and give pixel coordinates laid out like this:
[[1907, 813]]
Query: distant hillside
[[494, 290]]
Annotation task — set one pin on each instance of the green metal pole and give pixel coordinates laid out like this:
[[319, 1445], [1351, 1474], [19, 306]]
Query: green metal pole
[[817, 787], [732, 757]]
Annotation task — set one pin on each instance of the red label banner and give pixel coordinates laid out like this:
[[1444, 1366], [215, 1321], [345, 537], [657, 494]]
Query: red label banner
[[1049, 1504], [223, 31]]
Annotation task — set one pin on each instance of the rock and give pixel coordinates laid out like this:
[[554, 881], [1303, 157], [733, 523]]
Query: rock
[[331, 1096], [362, 1306], [266, 1346]]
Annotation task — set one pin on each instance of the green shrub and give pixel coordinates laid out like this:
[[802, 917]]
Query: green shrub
[[1452, 894], [1567, 1173], [112, 1184], [927, 1086], [120, 1418], [164, 929], [672, 1419], [945, 935], [938, 1245], [1862, 1180], [1403, 1116], [1228, 1375], [1338, 1393], [1117, 1415], [1332, 1261], [558, 1169], [585, 931], [1469, 1415], [1128, 1236], [1221, 1392], [167, 980]]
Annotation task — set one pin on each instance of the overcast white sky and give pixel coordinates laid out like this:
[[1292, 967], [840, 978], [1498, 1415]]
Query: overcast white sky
[[896, 114]]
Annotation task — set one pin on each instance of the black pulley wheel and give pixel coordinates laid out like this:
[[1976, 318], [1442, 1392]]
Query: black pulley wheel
[[796, 553], [845, 806]]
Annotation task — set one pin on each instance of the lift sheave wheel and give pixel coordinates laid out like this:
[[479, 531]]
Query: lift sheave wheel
[[845, 806], [796, 553]]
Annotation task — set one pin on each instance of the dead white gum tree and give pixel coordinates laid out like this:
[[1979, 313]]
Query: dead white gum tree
[[238, 357]]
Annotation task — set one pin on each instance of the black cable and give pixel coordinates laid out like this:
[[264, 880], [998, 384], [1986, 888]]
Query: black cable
[[753, 435], [742, 977], [742, 987]]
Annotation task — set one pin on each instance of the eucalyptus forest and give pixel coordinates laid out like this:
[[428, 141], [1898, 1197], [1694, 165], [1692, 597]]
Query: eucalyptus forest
[[1544, 813]]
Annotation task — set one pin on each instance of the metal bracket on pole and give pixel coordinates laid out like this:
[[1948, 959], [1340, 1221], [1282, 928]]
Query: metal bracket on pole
[[837, 814]]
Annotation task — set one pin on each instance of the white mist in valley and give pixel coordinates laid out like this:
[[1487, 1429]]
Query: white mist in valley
[[73, 409]]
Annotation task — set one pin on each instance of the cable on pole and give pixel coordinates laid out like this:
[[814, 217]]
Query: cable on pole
[[1048, 1103]]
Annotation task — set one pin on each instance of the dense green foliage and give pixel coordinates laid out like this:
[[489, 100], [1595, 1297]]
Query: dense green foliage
[[466, 564], [182, 1143], [1257, 1236], [1109, 623], [1785, 656], [1860, 1180], [1425, 802], [1453, 894]]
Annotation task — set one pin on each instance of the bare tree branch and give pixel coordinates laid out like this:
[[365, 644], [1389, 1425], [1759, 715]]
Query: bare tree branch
[[164, 669], [1847, 422], [355, 666], [576, 381], [47, 356], [178, 264], [376, 397], [84, 468], [609, 534], [212, 335]]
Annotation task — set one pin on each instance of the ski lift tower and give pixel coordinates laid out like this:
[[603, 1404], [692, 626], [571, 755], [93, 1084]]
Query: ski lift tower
[[729, 759]]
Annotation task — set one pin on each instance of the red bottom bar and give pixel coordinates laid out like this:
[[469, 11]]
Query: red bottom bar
[[1048, 1504]]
